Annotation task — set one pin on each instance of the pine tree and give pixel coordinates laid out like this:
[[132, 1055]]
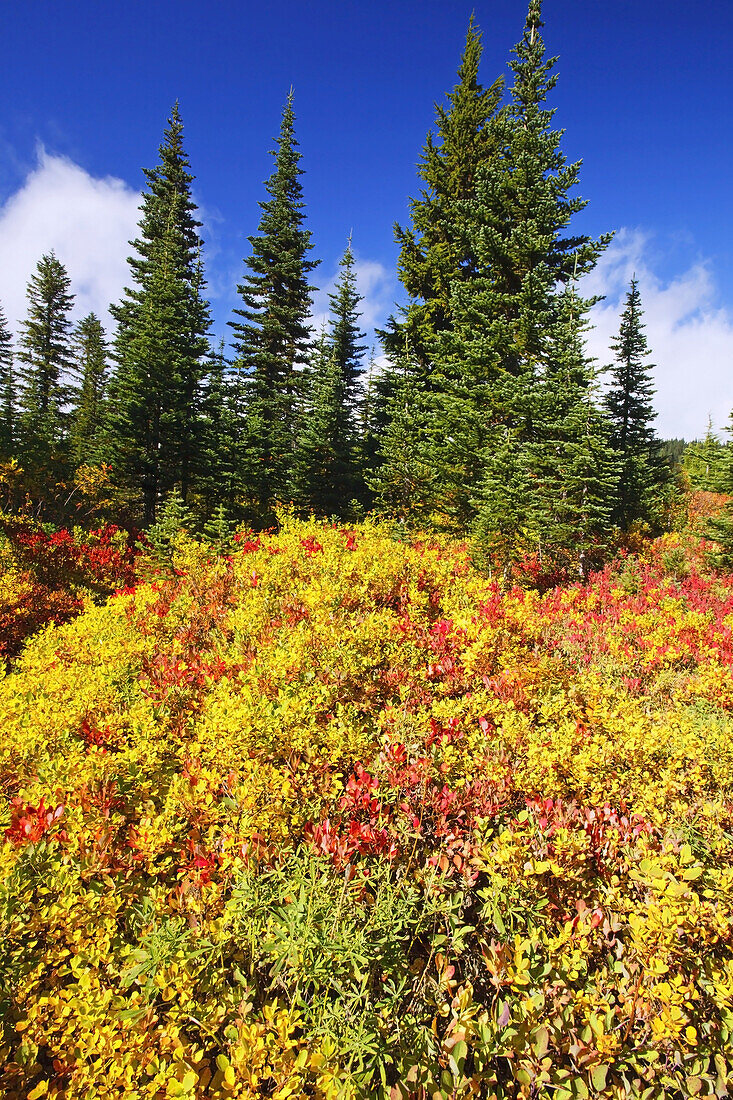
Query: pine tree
[[46, 358], [91, 369], [272, 337], [630, 408], [226, 471], [502, 354], [435, 255], [569, 457], [161, 344], [404, 482], [328, 454], [704, 462], [8, 411]]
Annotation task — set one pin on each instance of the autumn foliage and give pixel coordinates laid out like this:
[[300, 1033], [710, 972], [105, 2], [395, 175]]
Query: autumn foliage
[[334, 816], [45, 576]]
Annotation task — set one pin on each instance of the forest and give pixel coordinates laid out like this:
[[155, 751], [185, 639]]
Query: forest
[[365, 718]]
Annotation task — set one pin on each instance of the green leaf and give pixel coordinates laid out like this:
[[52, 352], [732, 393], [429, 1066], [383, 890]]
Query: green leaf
[[457, 1059], [598, 1077], [540, 1041]]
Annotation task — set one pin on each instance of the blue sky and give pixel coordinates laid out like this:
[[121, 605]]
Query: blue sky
[[644, 96]]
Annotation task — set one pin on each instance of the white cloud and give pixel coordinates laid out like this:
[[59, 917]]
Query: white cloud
[[689, 334], [86, 221]]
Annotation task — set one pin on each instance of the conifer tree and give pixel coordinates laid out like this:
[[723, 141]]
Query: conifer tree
[[91, 369], [327, 451], [8, 398], [435, 252], [404, 482], [569, 459], [501, 358], [46, 358], [161, 343], [630, 409], [316, 470], [720, 527], [704, 462], [272, 337], [435, 255], [226, 472]]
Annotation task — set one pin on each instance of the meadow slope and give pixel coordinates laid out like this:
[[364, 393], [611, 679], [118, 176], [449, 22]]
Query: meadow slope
[[333, 816]]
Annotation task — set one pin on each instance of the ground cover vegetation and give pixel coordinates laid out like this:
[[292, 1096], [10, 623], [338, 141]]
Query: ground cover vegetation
[[330, 813], [363, 733]]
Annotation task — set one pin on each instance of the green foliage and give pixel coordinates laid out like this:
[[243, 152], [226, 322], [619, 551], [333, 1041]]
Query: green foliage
[[163, 536], [272, 337], [219, 529], [705, 462], [8, 396], [327, 475], [153, 428], [347, 952], [404, 483], [91, 370], [630, 409], [45, 354]]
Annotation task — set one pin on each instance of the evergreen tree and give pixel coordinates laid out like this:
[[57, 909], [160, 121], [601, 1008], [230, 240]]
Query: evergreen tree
[[315, 470], [219, 529], [226, 472], [704, 462], [328, 456], [346, 337], [435, 253], [8, 410], [404, 482], [629, 405], [91, 369], [172, 525], [720, 527], [502, 359], [46, 358], [161, 343], [569, 458], [272, 337]]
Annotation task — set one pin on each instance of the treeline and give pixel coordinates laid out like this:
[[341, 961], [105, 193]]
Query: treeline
[[486, 417]]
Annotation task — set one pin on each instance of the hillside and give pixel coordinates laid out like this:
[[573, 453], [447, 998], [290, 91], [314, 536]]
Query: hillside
[[334, 816]]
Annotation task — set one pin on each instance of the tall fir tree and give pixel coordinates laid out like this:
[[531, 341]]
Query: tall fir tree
[[8, 397], [436, 253], [91, 369], [510, 323], [272, 336], [46, 359], [328, 454], [630, 408], [154, 427]]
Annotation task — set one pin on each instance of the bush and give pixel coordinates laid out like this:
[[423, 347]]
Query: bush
[[333, 816]]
